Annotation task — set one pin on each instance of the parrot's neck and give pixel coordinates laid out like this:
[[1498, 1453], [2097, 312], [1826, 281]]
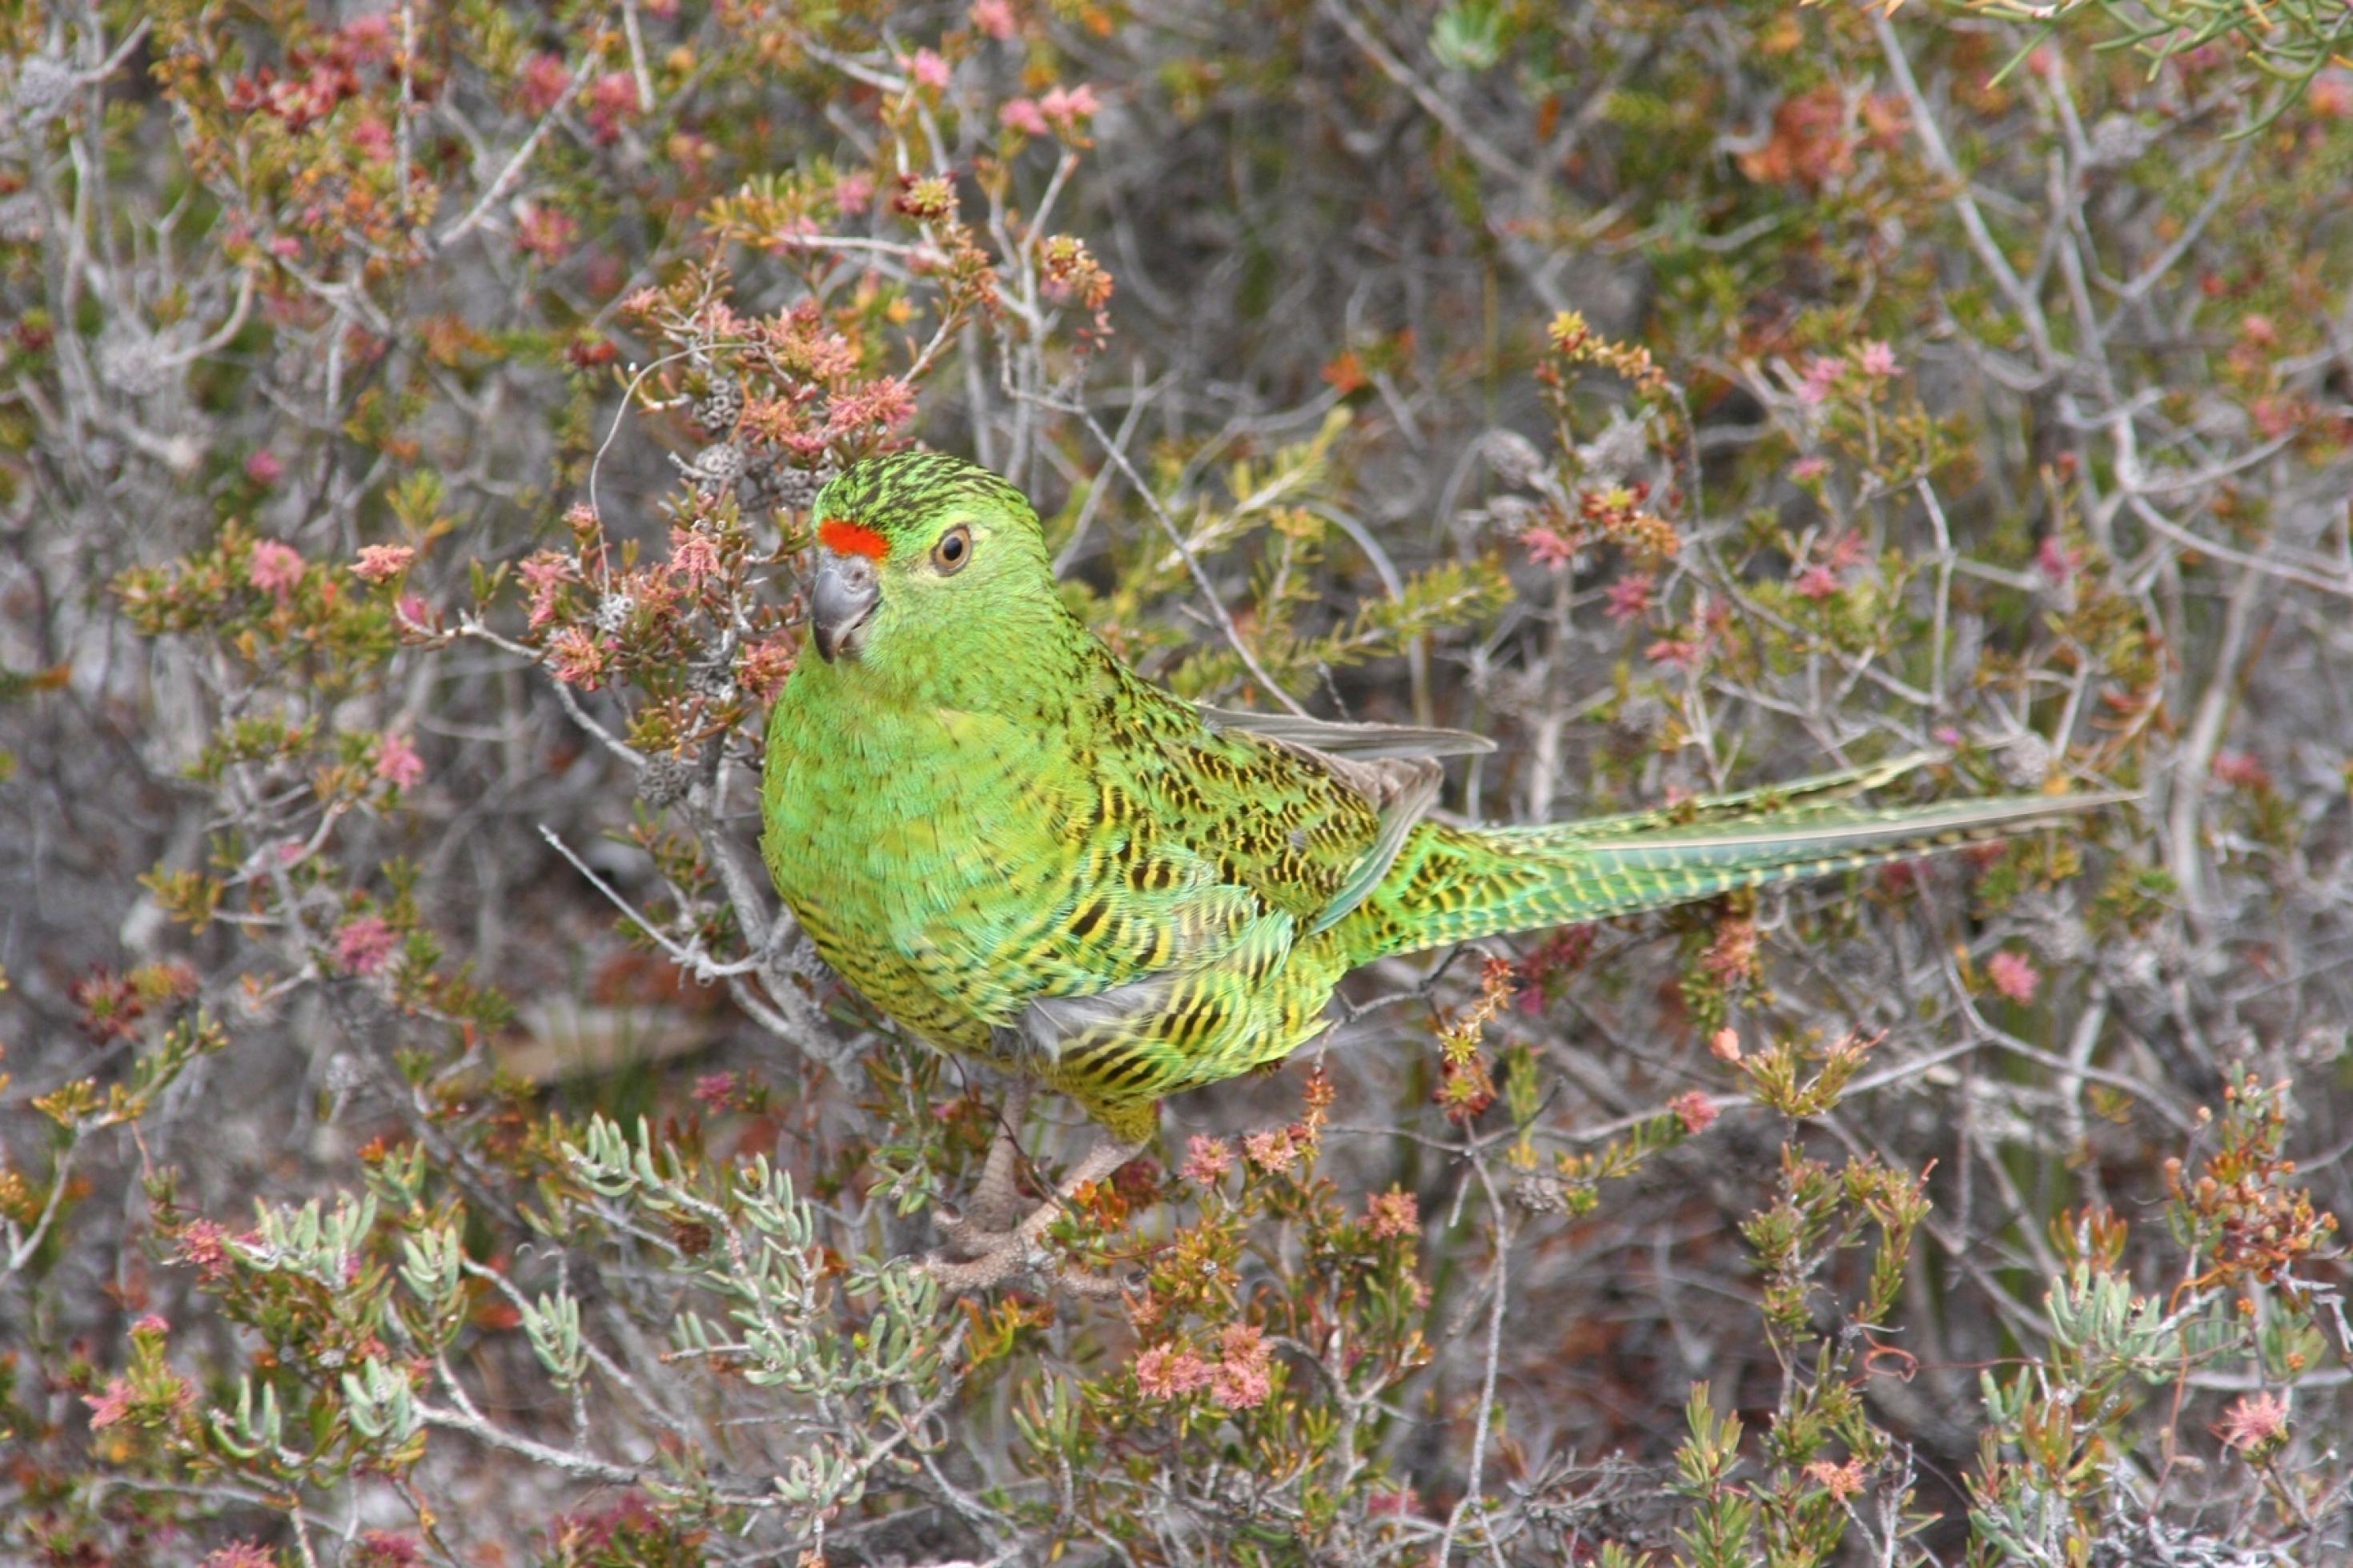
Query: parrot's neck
[[1027, 667]]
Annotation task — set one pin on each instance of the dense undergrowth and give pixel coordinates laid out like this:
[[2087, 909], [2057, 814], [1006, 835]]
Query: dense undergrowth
[[426, 1140]]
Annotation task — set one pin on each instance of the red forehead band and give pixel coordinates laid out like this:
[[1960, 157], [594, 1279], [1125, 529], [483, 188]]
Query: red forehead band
[[852, 539]]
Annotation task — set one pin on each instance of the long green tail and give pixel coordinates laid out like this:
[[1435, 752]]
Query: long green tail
[[1458, 884]]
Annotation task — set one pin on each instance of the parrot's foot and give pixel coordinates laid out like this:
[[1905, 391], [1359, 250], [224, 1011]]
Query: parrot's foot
[[985, 1257]]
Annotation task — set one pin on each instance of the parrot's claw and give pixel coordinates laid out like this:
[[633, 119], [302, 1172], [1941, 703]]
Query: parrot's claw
[[980, 1255]]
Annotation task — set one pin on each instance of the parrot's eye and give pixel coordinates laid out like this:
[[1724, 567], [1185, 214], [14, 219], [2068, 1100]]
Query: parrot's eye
[[953, 551]]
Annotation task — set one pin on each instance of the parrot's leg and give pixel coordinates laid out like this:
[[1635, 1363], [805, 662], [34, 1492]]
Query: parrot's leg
[[993, 1257], [995, 1199]]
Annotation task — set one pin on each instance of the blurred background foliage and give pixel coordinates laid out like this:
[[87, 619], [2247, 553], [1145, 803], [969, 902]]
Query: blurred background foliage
[[424, 1140]]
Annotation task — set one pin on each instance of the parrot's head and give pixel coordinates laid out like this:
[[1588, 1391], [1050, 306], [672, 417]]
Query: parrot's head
[[924, 562]]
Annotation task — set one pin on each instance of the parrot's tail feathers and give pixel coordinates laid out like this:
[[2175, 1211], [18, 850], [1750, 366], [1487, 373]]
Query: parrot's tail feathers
[[1464, 885]]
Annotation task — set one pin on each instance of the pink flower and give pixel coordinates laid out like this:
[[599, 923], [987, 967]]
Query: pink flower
[[240, 1555], [1392, 1213], [2014, 976], [1817, 582], [693, 556], [1242, 1379], [382, 563], [1876, 359], [712, 1090], [1023, 114], [397, 764], [1813, 467], [1547, 548], [2240, 771], [1630, 597], [543, 575], [1821, 375], [2057, 561], [853, 193], [1725, 1045], [544, 83], [1680, 652], [362, 945], [264, 469], [1271, 1150], [1206, 1160], [546, 233], [1400, 1502], [1166, 1371], [577, 658], [1066, 106], [205, 1244], [928, 70], [111, 1407], [994, 17], [764, 667], [411, 611], [151, 1323], [1841, 1481], [612, 98], [1694, 1111], [274, 568], [2257, 1422]]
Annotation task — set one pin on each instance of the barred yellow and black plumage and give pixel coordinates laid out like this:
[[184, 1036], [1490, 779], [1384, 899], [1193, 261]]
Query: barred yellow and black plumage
[[1020, 850]]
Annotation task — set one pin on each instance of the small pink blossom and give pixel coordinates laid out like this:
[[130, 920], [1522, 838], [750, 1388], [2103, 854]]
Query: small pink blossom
[[1876, 359], [1680, 653], [240, 1555], [1242, 1379], [1398, 1503], [274, 568], [396, 762], [382, 563], [1206, 1160], [1630, 597], [928, 70], [151, 1323], [1841, 1481], [1817, 582], [545, 573], [853, 193], [544, 83], [577, 658], [2057, 561], [1166, 1372], [372, 137], [2014, 976], [363, 945], [1821, 377], [1066, 106], [693, 556], [1392, 1213], [546, 233], [2255, 1422], [764, 667], [994, 17], [205, 1243], [108, 1406], [411, 611], [264, 469], [612, 98], [1023, 114], [1696, 1110], [1725, 1045], [1547, 547], [1271, 1150], [1810, 467], [2240, 771], [712, 1090]]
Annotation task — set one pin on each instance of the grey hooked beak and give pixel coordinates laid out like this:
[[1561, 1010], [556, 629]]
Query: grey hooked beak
[[841, 597]]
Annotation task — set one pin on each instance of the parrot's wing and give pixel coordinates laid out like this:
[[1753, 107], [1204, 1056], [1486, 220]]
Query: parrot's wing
[[1365, 743]]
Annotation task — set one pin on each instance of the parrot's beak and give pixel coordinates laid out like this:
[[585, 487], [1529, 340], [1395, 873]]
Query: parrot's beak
[[841, 598]]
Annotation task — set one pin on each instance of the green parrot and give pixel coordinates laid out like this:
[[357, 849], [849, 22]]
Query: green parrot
[[1023, 851]]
